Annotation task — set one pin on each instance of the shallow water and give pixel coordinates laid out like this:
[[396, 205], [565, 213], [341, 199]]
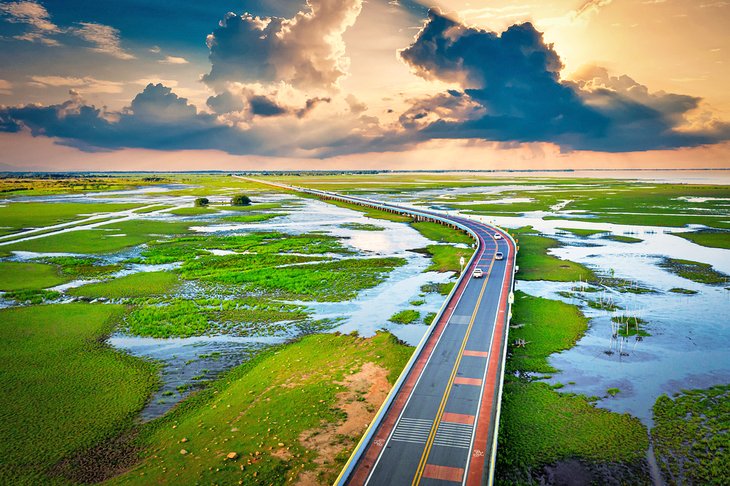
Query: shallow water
[[690, 334], [366, 314], [689, 337], [188, 362]]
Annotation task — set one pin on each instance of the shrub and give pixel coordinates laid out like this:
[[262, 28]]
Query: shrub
[[201, 202], [240, 200]]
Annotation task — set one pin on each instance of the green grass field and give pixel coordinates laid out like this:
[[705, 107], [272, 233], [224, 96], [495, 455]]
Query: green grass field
[[29, 276], [539, 425], [446, 258], [19, 215], [712, 239], [362, 226], [194, 211], [582, 232], [103, 239], [294, 411], [406, 316], [536, 264], [145, 284], [442, 234], [548, 326], [64, 391], [623, 238]]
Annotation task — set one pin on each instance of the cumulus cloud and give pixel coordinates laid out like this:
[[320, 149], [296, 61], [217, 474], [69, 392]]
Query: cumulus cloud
[[36, 17], [105, 39], [173, 60], [306, 51], [244, 102], [159, 119], [515, 78]]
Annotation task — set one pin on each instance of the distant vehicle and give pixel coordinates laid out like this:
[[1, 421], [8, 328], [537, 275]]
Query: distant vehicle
[[497, 236], [478, 273], [499, 256]]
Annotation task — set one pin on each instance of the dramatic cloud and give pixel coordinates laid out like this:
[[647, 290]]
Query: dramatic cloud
[[515, 78], [275, 86], [104, 38], [305, 51], [159, 119], [36, 17]]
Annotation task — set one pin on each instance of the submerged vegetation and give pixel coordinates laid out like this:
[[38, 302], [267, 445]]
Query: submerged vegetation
[[406, 316], [695, 271], [691, 435]]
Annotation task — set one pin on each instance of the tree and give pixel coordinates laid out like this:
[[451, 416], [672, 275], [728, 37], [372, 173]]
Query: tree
[[240, 200], [201, 202]]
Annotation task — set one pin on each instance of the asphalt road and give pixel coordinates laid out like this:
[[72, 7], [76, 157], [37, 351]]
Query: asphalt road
[[440, 427]]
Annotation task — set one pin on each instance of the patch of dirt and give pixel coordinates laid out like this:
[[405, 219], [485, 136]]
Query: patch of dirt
[[364, 392], [283, 453], [574, 472], [101, 462]]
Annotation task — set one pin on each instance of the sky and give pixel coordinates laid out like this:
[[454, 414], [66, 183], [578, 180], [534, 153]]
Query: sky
[[354, 84]]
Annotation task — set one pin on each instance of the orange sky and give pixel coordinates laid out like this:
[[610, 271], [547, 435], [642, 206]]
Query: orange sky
[[664, 46]]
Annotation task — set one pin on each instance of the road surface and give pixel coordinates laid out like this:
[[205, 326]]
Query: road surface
[[439, 424]]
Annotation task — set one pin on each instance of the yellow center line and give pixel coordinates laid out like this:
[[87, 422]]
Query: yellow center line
[[449, 385]]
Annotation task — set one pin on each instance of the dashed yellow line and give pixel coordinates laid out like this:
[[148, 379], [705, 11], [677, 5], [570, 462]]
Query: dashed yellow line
[[449, 385]]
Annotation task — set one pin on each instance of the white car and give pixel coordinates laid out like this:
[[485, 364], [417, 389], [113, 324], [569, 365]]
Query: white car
[[478, 273], [497, 236], [499, 256]]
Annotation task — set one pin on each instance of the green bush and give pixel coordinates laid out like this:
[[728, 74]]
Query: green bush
[[202, 202], [240, 200]]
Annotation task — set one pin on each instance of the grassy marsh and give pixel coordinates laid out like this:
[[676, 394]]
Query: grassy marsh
[[536, 264], [65, 391], [691, 435], [712, 239], [695, 271], [561, 425], [294, 411], [29, 276], [143, 284], [103, 239]]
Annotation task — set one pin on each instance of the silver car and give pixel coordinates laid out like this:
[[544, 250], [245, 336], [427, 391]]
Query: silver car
[[499, 256]]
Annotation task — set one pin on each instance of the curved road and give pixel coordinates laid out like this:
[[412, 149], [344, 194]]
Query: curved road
[[439, 424]]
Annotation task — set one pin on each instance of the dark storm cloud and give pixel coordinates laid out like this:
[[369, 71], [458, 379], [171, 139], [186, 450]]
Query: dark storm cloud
[[515, 77], [156, 119]]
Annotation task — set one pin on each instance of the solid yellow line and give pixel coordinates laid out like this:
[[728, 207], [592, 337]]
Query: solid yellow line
[[447, 392]]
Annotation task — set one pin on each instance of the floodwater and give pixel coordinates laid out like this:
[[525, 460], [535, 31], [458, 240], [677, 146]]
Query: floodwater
[[187, 363], [689, 334]]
